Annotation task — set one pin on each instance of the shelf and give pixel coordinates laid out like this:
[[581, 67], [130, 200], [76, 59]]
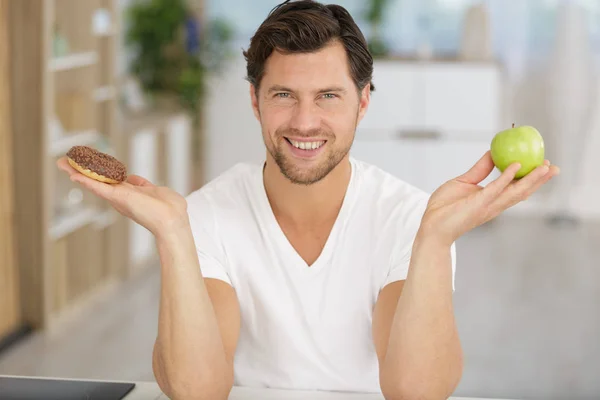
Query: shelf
[[69, 223], [63, 230], [59, 147], [104, 93], [73, 61]]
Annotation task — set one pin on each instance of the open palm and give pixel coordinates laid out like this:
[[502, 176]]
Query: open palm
[[151, 206], [462, 204]]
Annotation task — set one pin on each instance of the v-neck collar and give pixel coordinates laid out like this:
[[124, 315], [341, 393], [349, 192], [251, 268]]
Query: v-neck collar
[[282, 240]]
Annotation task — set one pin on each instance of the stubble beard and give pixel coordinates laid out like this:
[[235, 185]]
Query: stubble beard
[[294, 172]]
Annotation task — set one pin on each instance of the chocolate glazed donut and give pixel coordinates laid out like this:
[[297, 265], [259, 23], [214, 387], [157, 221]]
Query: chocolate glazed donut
[[96, 165]]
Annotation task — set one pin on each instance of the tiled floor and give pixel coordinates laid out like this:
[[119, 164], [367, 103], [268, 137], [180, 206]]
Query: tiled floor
[[113, 341], [527, 304], [528, 309]]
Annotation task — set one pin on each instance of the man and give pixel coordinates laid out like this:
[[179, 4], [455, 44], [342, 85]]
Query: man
[[313, 270]]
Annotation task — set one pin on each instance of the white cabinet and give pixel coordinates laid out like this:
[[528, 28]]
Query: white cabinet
[[143, 153], [450, 99], [392, 103], [462, 100], [430, 122], [402, 160], [448, 159], [178, 138], [426, 164]]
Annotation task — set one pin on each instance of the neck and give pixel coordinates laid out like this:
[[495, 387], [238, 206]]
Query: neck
[[307, 204]]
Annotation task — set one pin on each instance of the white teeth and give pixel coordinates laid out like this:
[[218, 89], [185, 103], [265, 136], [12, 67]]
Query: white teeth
[[307, 145]]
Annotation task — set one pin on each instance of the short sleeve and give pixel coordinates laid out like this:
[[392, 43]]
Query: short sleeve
[[400, 260], [211, 254]]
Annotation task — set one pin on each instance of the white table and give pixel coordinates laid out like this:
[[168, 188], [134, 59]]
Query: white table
[[148, 390], [151, 391]]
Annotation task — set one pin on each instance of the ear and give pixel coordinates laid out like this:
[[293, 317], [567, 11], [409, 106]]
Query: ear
[[364, 101], [254, 101]]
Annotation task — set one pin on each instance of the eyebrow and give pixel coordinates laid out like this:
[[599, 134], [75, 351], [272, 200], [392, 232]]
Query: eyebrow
[[280, 88], [335, 89]]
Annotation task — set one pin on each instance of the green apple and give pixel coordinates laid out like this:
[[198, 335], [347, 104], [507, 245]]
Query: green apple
[[522, 144]]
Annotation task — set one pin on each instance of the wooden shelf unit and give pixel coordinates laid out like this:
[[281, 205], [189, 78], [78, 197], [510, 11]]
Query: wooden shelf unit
[[69, 243], [10, 310]]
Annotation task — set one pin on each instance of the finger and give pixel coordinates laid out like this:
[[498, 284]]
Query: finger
[[96, 187], [137, 180], [541, 182], [497, 186], [100, 189], [521, 190], [478, 172], [64, 165]]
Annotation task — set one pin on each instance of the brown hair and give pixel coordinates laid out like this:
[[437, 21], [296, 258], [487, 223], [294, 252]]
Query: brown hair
[[306, 26]]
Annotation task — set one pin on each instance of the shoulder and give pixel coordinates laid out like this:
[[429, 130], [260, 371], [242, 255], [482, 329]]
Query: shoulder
[[228, 191], [388, 195], [395, 207], [391, 208]]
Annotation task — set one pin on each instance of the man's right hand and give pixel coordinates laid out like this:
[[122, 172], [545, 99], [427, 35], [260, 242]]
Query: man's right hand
[[158, 209], [191, 359]]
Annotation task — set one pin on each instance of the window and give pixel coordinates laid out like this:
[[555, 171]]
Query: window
[[524, 25]]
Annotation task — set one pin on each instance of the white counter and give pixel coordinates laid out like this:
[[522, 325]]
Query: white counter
[[151, 391]]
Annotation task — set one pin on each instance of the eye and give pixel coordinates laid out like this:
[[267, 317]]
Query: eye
[[282, 95], [329, 96]]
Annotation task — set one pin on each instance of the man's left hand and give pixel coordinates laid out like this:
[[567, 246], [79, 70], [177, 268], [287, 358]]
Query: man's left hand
[[461, 204]]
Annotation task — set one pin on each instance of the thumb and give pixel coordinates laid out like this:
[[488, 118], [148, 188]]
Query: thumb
[[479, 171]]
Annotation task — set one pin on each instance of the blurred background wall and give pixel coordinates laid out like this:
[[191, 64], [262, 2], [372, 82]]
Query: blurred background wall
[[525, 49], [449, 74]]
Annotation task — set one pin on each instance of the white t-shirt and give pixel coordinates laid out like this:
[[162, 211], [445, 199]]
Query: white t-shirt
[[306, 327]]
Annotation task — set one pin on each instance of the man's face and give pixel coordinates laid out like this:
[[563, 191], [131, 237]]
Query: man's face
[[308, 107]]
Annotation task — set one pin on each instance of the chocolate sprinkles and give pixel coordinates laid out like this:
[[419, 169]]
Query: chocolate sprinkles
[[98, 162]]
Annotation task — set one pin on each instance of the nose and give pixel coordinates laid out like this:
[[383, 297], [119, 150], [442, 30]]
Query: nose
[[305, 117]]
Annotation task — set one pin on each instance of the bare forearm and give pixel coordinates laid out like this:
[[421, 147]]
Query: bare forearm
[[424, 357], [189, 351]]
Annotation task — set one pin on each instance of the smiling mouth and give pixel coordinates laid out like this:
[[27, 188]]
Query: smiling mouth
[[314, 145]]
